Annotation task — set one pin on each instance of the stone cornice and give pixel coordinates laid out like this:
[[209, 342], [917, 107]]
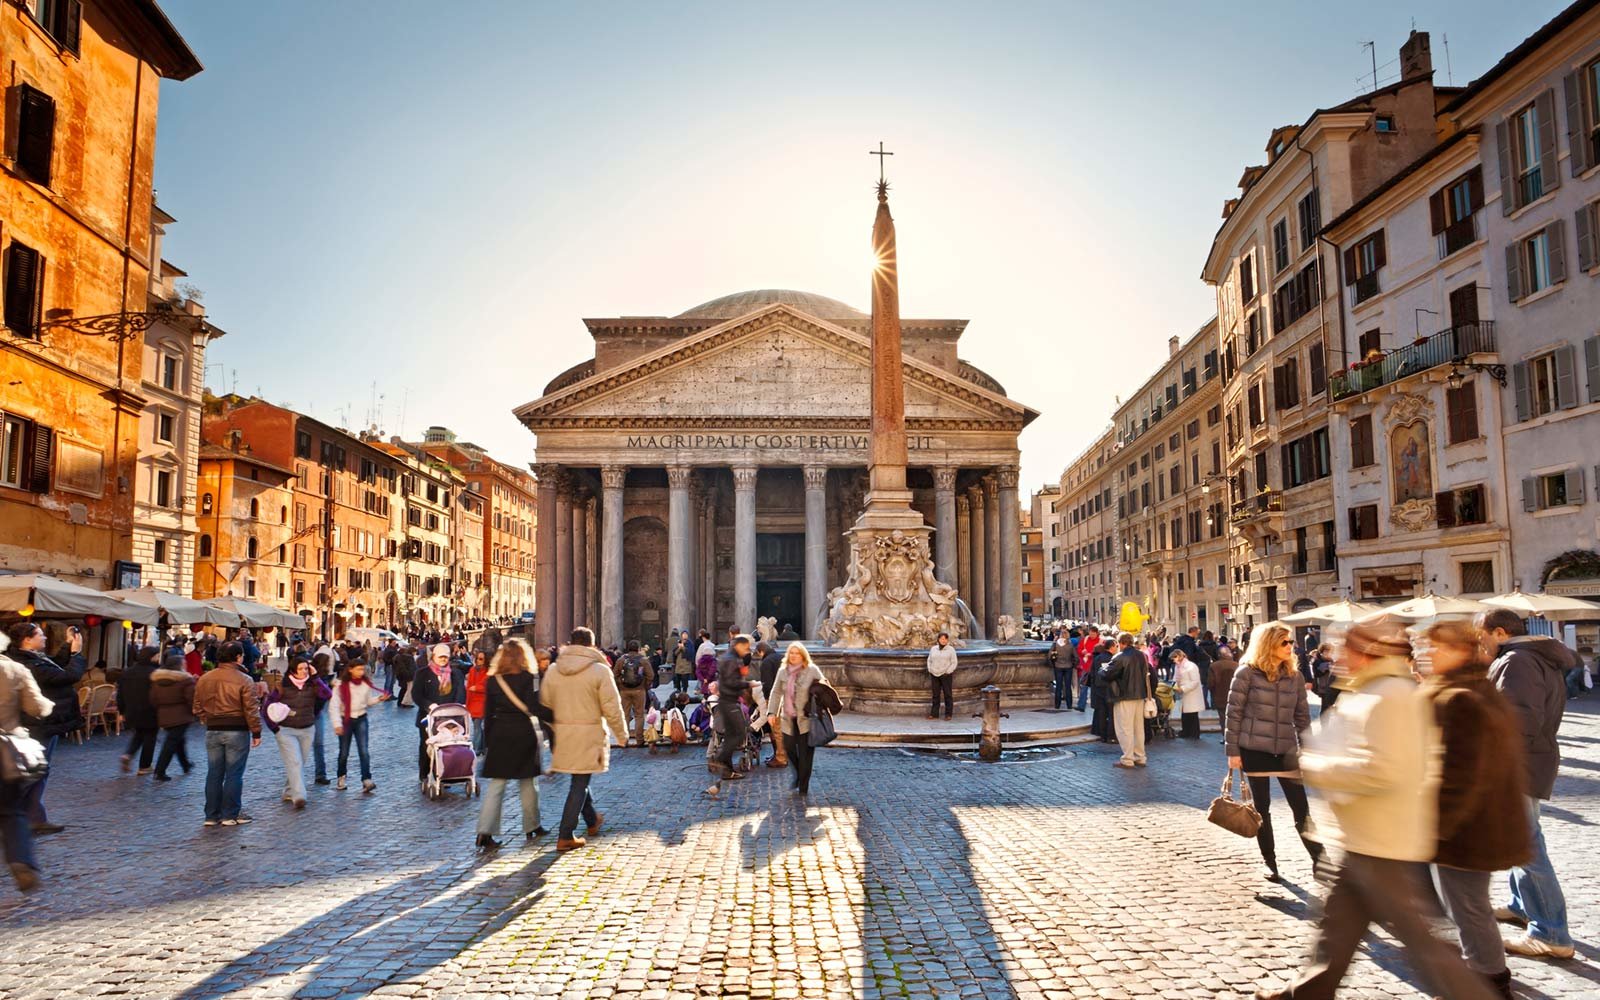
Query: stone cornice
[[535, 414], [755, 424]]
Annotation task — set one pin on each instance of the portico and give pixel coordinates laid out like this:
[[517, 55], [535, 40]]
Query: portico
[[728, 463]]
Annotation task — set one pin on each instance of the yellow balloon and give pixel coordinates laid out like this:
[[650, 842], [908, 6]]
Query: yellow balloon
[[1131, 619]]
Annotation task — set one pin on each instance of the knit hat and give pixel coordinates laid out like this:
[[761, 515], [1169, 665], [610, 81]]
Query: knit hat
[[172, 661], [1379, 638]]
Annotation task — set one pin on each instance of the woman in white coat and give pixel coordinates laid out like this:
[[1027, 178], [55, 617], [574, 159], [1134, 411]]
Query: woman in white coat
[[1187, 681], [789, 700]]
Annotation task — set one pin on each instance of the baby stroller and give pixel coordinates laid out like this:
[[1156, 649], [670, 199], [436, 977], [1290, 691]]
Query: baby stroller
[[743, 758], [1165, 699], [451, 760]]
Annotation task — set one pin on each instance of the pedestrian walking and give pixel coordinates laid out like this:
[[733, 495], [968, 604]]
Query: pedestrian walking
[[20, 697], [437, 683], [1267, 715], [1323, 679], [771, 663], [1186, 679], [327, 665], [291, 714], [225, 702], [1127, 687], [582, 697], [138, 715], [942, 676], [1482, 794], [1223, 667], [634, 677], [55, 677], [172, 694], [1531, 672], [513, 719], [477, 689], [733, 682], [1373, 762], [353, 694], [790, 702], [405, 674]]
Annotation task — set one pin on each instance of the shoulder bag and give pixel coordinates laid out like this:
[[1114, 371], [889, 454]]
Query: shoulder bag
[[1235, 815], [533, 720], [822, 731], [22, 759]]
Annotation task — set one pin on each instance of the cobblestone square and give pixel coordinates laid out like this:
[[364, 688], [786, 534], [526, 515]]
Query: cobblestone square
[[906, 875]]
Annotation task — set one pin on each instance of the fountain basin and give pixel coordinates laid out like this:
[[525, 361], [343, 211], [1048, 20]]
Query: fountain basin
[[896, 682]]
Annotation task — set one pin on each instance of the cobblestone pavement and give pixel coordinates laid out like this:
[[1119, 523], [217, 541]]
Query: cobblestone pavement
[[905, 875]]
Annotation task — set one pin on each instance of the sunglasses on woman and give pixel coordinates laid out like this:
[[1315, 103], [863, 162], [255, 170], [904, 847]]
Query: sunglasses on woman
[[1287, 642]]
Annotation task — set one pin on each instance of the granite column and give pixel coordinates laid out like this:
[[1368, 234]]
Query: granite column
[[1010, 545], [612, 479], [679, 556], [816, 578], [977, 598], [544, 560], [944, 526], [991, 562], [744, 548]]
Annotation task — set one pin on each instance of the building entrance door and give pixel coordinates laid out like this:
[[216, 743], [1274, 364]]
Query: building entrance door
[[780, 574]]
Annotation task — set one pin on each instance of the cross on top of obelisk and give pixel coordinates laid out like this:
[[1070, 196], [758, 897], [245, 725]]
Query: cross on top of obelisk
[[880, 154]]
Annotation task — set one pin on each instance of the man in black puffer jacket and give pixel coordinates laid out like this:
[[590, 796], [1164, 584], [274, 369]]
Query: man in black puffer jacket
[[733, 680], [1129, 677], [1531, 672], [55, 678]]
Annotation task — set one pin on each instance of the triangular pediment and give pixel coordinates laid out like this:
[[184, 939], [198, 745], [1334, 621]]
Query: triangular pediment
[[775, 364]]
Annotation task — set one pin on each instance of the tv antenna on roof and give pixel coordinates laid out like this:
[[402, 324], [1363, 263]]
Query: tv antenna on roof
[[1374, 47]]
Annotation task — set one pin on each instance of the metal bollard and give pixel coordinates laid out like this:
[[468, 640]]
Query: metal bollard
[[989, 740]]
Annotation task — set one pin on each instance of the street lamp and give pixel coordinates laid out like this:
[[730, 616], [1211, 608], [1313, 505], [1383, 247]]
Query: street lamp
[[1460, 368]]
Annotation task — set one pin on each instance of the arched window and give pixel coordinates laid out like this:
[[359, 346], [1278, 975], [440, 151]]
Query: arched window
[[283, 514], [255, 508], [205, 540], [205, 504], [252, 548]]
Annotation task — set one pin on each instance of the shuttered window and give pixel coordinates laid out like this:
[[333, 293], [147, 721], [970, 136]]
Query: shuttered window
[[1310, 209], [1556, 489], [24, 289], [1364, 522], [1361, 451], [1461, 507], [1545, 384], [1582, 93], [1526, 144], [36, 131], [1255, 405], [26, 453], [1461, 411], [1587, 221], [1319, 371], [1280, 246]]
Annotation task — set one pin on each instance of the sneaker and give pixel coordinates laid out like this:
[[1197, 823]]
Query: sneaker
[[1527, 944], [368, 785], [212, 822], [1506, 915], [570, 843], [340, 784]]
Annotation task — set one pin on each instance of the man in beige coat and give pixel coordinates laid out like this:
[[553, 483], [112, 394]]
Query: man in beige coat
[[581, 692]]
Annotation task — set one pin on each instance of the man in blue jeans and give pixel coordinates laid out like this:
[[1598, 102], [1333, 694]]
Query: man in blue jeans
[[1531, 672], [227, 704]]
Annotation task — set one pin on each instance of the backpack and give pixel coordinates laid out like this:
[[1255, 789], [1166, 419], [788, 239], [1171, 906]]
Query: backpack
[[632, 671]]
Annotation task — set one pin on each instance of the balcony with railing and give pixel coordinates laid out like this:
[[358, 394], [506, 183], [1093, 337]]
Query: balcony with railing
[[1443, 348], [1458, 235]]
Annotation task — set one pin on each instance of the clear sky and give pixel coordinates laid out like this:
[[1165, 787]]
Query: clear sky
[[419, 201]]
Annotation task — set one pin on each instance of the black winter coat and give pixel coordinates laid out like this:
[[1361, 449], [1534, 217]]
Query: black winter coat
[[425, 693], [404, 666], [1531, 671], [56, 684], [510, 746], [133, 695]]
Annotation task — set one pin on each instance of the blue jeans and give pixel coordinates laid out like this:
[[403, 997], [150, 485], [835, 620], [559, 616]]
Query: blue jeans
[[226, 753], [1536, 894], [15, 834], [357, 731], [1063, 686], [319, 732], [1083, 691], [477, 735], [578, 801], [33, 798]]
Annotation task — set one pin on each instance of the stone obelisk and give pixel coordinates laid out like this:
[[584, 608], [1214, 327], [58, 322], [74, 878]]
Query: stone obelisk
[[890, 598]]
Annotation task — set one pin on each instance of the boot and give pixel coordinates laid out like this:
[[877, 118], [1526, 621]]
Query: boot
[[1500, 983], [487, 843]]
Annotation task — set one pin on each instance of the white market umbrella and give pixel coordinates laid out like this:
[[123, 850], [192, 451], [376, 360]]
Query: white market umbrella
[[179, 610], [1338, 613], [1546, 605], [53, 598], [1428, 607], [255, 614]]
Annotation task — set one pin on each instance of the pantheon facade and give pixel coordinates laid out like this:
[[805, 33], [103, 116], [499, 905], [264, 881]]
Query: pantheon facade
[[701, 470]]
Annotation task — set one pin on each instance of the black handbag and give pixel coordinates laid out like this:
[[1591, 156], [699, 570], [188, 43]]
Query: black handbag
[[822, 732], [22, 759]]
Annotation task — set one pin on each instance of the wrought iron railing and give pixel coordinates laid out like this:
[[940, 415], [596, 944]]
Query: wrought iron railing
[[1440, 349]]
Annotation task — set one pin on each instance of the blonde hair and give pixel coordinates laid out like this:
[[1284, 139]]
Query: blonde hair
[[1263, 652], [805, 654], [512, 657]]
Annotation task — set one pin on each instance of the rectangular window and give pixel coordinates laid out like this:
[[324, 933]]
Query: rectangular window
[[1330, 551], [1361, 449], [36, 131], [1364, 522], [161, 551], [1319, 371], [1526, 142], [163, 496], [1556, 489], [1466, 505], [1256, 417], [1361, 265], [302, 445], [1247, 278], [1369, 343], [1310, 209], [24, 289], [1280, 245], [13, 451], [1385, 123], [1461, 410], [1536, 263], [169, 372], [164, 427], [1477, 577], [1302, 553]]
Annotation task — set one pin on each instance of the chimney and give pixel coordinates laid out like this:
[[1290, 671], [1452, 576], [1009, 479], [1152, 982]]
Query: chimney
[[1416, 58], [1172, 347]]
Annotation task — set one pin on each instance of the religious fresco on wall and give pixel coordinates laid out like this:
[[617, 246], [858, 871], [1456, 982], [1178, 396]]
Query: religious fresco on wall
[[1411, 462]]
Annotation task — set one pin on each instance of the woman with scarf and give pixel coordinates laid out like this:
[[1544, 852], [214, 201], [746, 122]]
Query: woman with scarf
[[511, 740], [437, 683], [353, 694], [291, 714]]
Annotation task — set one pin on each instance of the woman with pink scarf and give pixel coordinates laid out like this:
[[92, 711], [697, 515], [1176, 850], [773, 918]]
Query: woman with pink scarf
[[437, 683]]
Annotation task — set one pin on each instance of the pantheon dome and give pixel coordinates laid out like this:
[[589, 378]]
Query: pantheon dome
[[742, 303]]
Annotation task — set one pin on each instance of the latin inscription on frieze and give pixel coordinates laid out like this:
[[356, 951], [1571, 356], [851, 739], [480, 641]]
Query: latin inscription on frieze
[[764, 442]]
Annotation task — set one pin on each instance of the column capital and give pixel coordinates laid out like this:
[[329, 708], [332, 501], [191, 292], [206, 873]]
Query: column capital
[[1007, 476], [744, 477], [991, 487], [963, 505], [679, 476], [548, 474], [944, 479], [816, 477], [975, 494], [613, 476]]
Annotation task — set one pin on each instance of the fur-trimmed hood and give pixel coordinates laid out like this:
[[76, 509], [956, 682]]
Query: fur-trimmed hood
[[165, 676]]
